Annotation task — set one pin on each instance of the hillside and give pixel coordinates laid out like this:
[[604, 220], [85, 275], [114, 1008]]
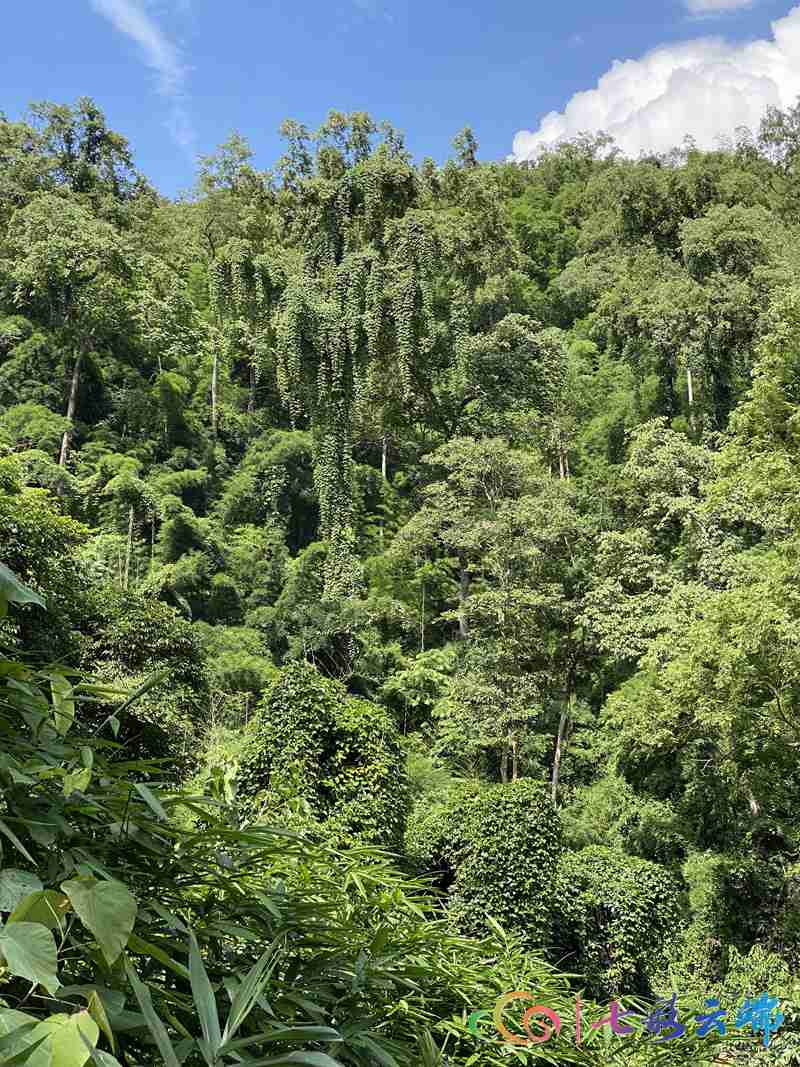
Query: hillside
[[444, 523]]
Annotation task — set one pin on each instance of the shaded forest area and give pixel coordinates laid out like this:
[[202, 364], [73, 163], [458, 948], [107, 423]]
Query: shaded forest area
[[399, 566]]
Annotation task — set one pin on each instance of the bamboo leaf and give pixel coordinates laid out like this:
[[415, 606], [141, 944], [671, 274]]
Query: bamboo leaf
[[250, 990], [204, 1001], [155, 1025]]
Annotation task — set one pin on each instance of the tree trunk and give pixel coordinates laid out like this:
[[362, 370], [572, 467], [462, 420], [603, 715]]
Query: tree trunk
[[72, 405], [384, 472], [251, 401], [422, 620], [463, 593], [561, 747], [514, 759], [504, 765], [214, 386], [129, 549], [690, 390]]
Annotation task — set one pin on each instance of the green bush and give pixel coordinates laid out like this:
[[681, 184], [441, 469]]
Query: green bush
[[608, 812], [342, 754], [615, 916], [41, 546], [137, 636], [434, 833], [505, 859]]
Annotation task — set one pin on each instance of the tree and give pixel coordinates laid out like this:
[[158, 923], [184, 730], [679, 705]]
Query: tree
[[513, 541], [72, 269], [84, 155]]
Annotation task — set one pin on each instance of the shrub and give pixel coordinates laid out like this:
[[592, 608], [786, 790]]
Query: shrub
[[41, 546], [614, 916], [136, 637], [367, 779], [342, 754], [506, 861], [434, 831]]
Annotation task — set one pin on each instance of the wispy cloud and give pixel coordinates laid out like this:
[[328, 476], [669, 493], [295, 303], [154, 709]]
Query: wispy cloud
[[715, 7], [159, 53]]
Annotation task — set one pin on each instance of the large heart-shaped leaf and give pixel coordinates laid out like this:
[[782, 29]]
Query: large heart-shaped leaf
[[30, 952], [15, 886], [69, 1040], [46, 906], [106, 909]]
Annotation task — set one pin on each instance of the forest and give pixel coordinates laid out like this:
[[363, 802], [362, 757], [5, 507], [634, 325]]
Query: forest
[[399, 602]]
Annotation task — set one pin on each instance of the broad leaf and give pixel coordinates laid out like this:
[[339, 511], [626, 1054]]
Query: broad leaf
[[105, 1059], [98, 1013], [46, 906], [15, 886], [77, 781], [70, 1040], [13, 591], [63, 703], [15, 1030], [107, 909], [30, 952]]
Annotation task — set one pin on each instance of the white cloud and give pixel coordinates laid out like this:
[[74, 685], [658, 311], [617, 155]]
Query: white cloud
[[705, 88], [160, 54], [715, 7]]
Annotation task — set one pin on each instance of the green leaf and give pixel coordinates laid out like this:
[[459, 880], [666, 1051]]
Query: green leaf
[[77, 781], [15, 841], [26, 1056], [105, 1059], [70, 1039], [14, 1026], [147, 948], [15, 886], [204, 1001], [46, 906], [286, 1033], [308, 1059], [98, 1013], [381, 1055], [30, 952], [155, 1025], [63, 704], [250, 990], [151, 800], [107, 909], [13, 591]]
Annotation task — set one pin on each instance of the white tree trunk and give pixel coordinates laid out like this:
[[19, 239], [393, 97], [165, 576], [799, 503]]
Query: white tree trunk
[[72, 405]]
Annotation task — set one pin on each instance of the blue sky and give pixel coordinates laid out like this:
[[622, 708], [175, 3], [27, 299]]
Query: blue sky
[[176, 76]]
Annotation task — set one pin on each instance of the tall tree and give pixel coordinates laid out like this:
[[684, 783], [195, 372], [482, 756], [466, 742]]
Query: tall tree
[[71, 269]]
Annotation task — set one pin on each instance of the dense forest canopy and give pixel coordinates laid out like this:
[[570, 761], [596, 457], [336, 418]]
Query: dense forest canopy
[[399, 566]]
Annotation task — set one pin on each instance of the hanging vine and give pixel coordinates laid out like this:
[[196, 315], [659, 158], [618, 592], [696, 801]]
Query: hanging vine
[[356, 303]]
